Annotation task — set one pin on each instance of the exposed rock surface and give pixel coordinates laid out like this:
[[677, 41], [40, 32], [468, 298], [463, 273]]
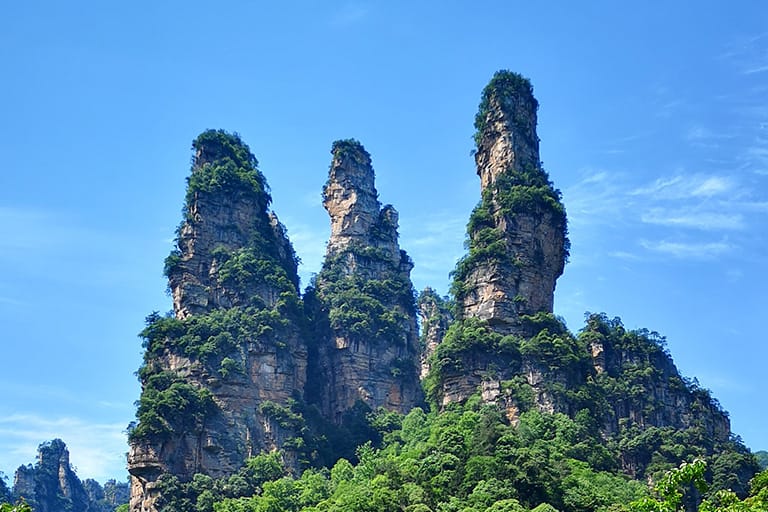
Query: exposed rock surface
[[520, 222], [368, 340], [237, 341]]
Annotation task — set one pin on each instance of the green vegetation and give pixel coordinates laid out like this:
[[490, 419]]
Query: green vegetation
[[363, 308], [224, 163], [762, 459], [465, 459], [681, 487], [170, 405], [351, 148], [503, 86], [19, 506]]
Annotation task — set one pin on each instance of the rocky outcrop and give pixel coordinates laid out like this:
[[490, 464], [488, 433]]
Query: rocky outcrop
[[52, 485], [234, 351], [517, 250], [651, 392], [366, 319], [226, 205], [517, 234]]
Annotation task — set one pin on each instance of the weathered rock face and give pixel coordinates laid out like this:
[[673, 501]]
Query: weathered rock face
[[222, 218], [51, 485], [518, 242], [368, 346], [662, 398], [235, 348]]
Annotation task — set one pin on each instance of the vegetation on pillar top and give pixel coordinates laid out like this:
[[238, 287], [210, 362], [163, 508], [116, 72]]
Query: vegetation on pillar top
[[224, 163], [504, 86], [351, 148]]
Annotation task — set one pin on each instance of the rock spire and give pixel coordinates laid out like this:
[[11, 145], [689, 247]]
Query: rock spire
[[517, 234], [368, 353], [216, 375]]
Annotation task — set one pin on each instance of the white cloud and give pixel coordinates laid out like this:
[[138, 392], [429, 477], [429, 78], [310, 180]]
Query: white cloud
[[624, 255], [690, 250], [712, 186], [96, 450], [597, 198], [686, 187], [694, 219]]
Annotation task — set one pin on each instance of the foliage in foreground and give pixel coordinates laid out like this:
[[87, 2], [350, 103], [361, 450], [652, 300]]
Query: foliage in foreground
[[680, 488]]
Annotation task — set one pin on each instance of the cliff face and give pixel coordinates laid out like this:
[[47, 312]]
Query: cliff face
[[435, 317], [234, 350], [368, 347]]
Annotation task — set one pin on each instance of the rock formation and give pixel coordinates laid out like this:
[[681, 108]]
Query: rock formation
[[242, 366], [507, 345], [234, 352], [368, 346], [517, 235], [51, 485]]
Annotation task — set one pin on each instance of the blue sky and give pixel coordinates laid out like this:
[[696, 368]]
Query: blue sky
[[653, 122]]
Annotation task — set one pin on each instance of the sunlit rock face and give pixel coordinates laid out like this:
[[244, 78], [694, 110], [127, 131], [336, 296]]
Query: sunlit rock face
[[367, 346], [520, 210]]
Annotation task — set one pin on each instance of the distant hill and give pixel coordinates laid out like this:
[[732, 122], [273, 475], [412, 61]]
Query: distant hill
[[51, 485]]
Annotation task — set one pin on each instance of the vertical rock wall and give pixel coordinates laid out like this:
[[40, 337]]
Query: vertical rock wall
[[237, 335], [368, 349]]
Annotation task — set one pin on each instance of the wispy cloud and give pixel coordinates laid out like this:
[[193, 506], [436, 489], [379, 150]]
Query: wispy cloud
[[95, 449], [710, 221], [598, 198], [685, 250], [686, 186]]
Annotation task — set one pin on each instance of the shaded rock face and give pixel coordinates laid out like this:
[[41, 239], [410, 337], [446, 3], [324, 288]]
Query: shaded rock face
[[435, 317], [235, 291], [51, 485], [667, 399], [368, 347], [520, 217]]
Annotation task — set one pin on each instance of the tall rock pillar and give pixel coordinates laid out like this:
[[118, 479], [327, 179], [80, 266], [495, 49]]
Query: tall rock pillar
[[517, 234], [220, 371], [368, 342]]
